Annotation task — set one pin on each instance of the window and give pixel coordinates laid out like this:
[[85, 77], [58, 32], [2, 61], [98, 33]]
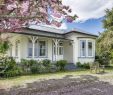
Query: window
[[82, 48], [42, 48], [10, 50], [86, 48], [36, 49], [30, 48], [90, 49], [16, 48], [60, 48]]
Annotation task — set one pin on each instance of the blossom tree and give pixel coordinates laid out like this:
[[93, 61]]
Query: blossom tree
[[15, 14]]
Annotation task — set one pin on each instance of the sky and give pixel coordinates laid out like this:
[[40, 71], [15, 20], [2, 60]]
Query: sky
[[90, 14]]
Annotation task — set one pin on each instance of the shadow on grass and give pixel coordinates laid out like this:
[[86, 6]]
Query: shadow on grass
[[43, 74], [83, 85]]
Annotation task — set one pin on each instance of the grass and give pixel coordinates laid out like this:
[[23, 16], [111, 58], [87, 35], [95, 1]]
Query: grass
[[22, 80]]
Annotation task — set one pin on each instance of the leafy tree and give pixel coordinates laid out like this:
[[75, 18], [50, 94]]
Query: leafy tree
[[4, 45], [108, 20], [105, 40]]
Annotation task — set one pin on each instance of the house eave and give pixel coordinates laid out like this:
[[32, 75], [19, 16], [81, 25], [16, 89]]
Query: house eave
[[93, 35], [48, 36]]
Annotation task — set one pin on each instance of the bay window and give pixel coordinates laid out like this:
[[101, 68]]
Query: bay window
[[86, 48]]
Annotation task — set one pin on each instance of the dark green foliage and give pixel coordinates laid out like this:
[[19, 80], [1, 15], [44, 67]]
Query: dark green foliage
[[4, 45], [37, 68], [61, 64], [104, 58], [27, 65], [108, 20], [78, 64], [30, 67], [104, 46], [11, 68], [84, 65], [46, 62], [48, 65]]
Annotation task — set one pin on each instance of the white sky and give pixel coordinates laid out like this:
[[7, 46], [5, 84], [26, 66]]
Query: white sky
[[88, 9]]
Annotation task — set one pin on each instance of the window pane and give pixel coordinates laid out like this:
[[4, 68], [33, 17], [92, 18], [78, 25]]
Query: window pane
[[60, 50], [42, 45], [89, 48], [54, 50], [10, 50], [36, 49], [82, 48], [42, 52], [36, 52], [16, 50], [30, 52], [30, 45]]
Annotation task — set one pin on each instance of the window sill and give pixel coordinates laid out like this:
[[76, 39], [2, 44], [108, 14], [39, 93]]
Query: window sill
[[42, 57], [29, 57], [39, 57], [16, 57], [87, 57]]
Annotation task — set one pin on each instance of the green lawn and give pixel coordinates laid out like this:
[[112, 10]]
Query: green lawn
[[22, 80]]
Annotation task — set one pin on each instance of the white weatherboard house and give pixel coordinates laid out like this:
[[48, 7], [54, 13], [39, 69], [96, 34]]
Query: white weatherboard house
[[53, 44]]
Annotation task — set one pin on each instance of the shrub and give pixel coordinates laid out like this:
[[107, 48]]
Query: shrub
[[27, 65], [84, 65], [31, 62], [14, 72], [46, 62], [104, 58], [48, 65], [78, 64], [61, 64], [11, 68], [36, 68], [24, 64]]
